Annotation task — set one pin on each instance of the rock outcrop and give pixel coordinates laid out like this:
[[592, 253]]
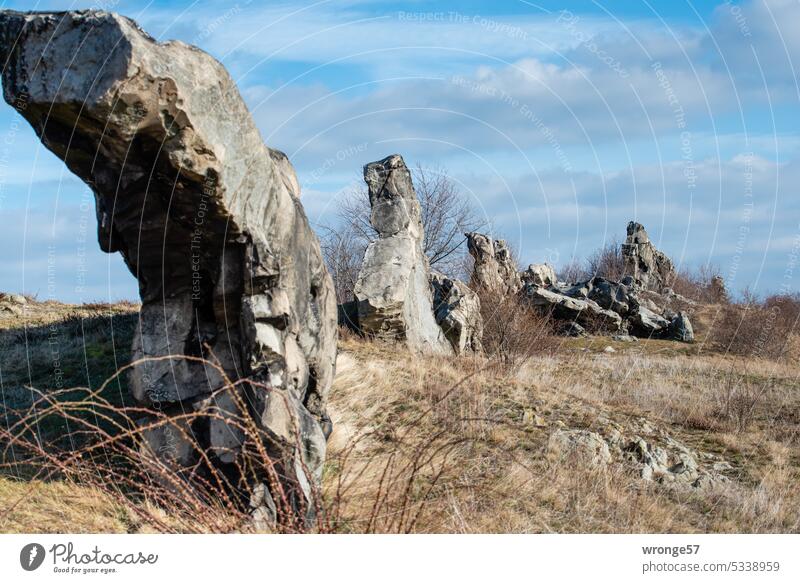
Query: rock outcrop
[[648, 451], [208, 220], [494, 267], [597, 304], [563, 307], [539, 274], [680, 328], [457, 310], [649, 267], [646, 323], [580, 445], [393, 291]]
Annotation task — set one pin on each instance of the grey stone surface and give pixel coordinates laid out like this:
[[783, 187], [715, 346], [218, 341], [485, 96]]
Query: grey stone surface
[[458, 312], [494, 267], [573, 329], [205, 215], [539, 274], [648, 266], [586, 312], [718, 290], [393, 291], [680, 328], [585, 446]]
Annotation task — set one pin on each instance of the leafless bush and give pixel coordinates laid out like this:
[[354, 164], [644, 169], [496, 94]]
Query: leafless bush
[[607, 261], [739, 399], [78, 435], [758, 329], [446, 215], [573, 272], [702, 285], [513, 330]]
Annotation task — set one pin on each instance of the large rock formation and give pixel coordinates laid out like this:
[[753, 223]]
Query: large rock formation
[[541, 274], [596, 304], [563, 307], [649, 267], [393, 292], [457, 310], [494, 266], [208, 220]]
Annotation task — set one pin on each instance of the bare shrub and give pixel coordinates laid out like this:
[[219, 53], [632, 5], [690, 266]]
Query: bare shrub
[[573, 272], [758, 329], [512, 329], [739, 400], [701, 285], [607, 261], [79, 436], [343, 253]]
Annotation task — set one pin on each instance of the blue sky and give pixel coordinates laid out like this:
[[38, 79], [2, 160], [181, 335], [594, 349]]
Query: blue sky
[[560, 124]]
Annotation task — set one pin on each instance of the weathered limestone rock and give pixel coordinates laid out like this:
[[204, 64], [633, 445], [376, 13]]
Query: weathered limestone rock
[[393, 292], [539, 274], [586, 312], [680, 328], [18, 299], [647, 324], [207, 219], [582, 445], [610, 295], [494, 269], [458, 312], [660, 458], [613, 296], [648, 266], [12, 303]]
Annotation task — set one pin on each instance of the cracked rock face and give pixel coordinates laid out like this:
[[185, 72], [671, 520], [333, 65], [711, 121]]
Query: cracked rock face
[[494, 267], [649, 267], [563, 307], [587, 446], [680, 328], [539, 274], [393, 293], [206, 217], [457, 310]]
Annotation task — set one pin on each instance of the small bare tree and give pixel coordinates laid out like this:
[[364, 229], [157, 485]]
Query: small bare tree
[[573, 272], [446, 215], [607, 261], [343, 254]]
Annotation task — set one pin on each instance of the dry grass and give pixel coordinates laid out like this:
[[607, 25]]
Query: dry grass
[[460, 445], [57, 507], [493, 474]]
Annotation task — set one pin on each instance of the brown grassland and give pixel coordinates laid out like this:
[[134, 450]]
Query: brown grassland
[[460, 445]]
